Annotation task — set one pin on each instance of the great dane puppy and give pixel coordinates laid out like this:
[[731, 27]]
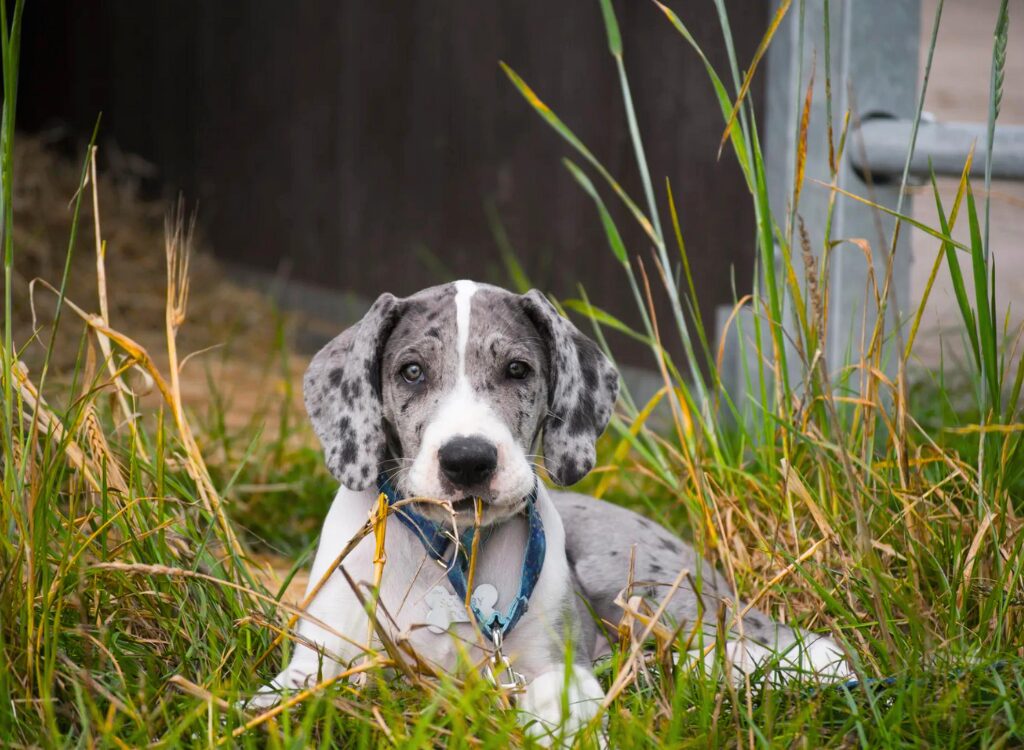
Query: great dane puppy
[[444, 396]]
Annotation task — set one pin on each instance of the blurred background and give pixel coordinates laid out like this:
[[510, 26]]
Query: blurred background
[[343, 149], [362, 147]]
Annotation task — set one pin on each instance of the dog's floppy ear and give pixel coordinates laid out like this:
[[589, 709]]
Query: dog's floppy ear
[[343, 396], [582, 393]]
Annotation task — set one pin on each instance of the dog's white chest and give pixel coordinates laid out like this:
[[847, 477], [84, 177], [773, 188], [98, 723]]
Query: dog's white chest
[[426, 612]]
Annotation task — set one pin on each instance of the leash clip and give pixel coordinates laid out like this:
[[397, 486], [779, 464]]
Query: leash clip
[[499, 669]]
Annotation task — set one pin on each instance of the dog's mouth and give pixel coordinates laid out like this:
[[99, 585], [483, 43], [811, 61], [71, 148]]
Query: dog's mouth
[[466, 505], [473, 508], [463, 511]]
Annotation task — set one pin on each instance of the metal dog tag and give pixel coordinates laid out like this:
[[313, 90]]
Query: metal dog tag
[[485, 596], [445, 608]]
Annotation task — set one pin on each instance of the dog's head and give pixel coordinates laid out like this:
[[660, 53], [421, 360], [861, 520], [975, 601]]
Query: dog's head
[[447, 391]]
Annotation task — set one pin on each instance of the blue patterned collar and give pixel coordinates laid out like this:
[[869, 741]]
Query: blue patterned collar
[[437, 539]]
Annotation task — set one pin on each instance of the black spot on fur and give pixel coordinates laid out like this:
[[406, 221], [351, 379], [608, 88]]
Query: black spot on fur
[[415, 307], [581, 419], [670, 544], [334, 377], [587, 357], [349, 452], [568, 469]]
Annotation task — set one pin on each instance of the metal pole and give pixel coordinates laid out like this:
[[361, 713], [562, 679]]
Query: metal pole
[[944, 144], [873, 61]]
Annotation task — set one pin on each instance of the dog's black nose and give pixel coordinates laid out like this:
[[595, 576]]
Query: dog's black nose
[[468, 461]]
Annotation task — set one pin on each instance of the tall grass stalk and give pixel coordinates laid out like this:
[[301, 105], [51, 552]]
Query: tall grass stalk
[[10, 46]]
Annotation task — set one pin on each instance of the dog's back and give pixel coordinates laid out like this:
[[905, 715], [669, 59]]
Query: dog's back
[[604, 541]]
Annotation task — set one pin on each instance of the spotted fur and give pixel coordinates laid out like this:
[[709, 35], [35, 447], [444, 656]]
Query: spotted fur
[[370, 417], [342, 394], [369, 421], [584, 386]]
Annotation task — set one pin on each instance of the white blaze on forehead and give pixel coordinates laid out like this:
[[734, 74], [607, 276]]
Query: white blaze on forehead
[[464, 291], [463, 412]]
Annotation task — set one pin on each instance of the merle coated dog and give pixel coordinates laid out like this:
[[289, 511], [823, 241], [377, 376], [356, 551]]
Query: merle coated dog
[[444, 396]]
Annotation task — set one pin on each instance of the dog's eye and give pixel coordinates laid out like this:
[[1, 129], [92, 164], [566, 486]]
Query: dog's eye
[[412, 372], [517, 370]]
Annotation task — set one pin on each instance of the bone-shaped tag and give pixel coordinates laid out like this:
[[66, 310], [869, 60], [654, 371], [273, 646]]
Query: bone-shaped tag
[[485, 596], [445, 608]]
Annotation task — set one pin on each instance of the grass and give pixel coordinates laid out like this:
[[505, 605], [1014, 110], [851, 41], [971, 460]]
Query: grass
[[883, 512]]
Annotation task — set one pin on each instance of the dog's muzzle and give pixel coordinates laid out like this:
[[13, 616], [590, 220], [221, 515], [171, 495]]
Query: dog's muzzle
[[468, 462]]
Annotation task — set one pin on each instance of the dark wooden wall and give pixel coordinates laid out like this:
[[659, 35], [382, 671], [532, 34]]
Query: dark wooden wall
[[360, 142]]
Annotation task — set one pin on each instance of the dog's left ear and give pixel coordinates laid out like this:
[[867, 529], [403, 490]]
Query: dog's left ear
[[581, 394], [343, 398]]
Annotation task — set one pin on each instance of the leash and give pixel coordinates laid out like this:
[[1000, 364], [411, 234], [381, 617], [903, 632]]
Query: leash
[[437, 539], [879, 684]]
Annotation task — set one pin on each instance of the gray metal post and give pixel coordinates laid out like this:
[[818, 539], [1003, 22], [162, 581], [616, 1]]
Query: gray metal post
[[874, 69], [942, 145], [873, 60]]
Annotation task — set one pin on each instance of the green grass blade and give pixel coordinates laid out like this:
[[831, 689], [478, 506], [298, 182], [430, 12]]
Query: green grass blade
[[553, 120], [722, 96], [611, 232], [10, 44], [615, 47], [762, 47], [988, 334], [611, 26], [516, 273], [902, 217], [995, 99], [956, 275]]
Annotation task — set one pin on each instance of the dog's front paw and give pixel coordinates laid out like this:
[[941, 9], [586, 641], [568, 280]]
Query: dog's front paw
[[289, 680], [545, 698]]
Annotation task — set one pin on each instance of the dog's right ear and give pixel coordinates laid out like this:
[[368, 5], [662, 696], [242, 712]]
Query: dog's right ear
[[343, 396], [584, 385]]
